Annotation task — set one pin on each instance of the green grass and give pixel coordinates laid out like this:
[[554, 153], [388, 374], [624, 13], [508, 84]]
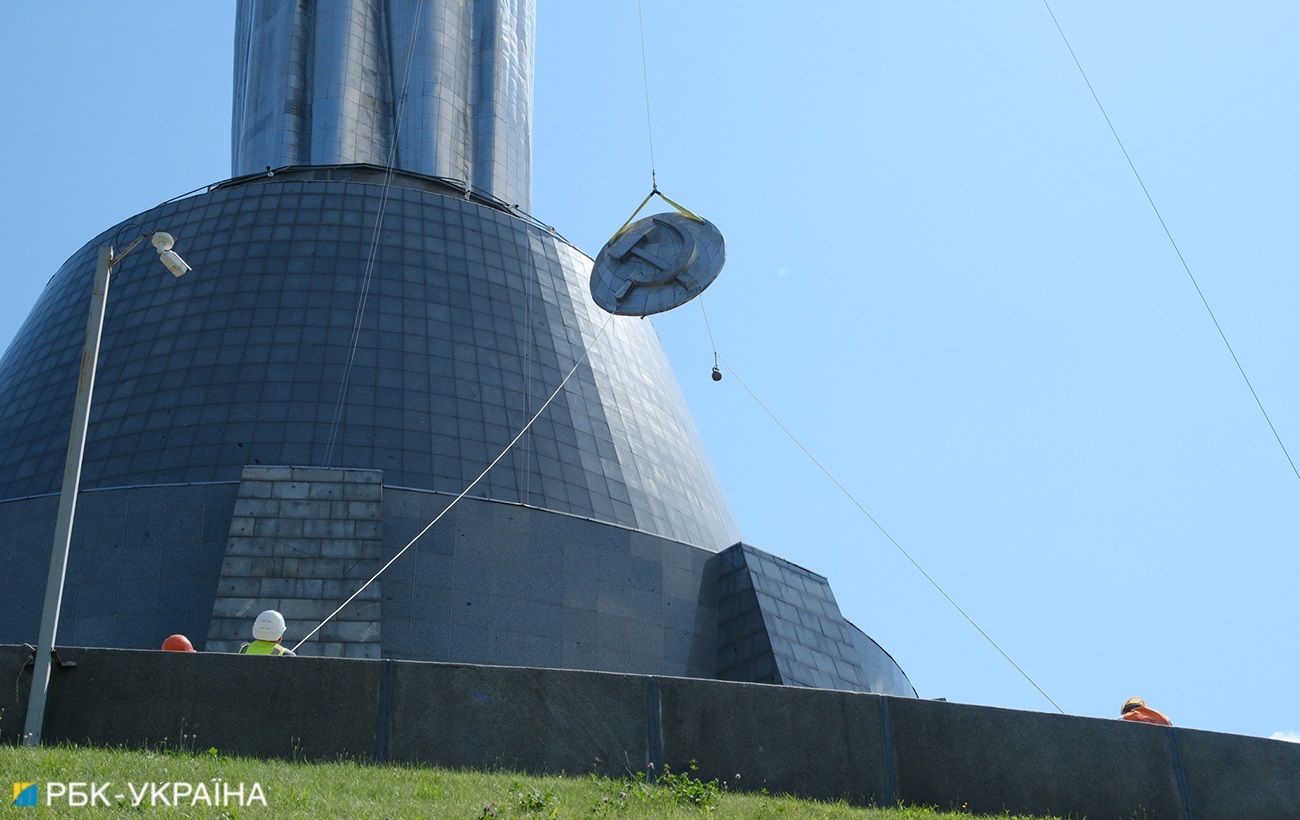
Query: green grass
[[349, 789]]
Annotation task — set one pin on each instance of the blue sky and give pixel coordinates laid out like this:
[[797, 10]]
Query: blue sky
[[943, 278]]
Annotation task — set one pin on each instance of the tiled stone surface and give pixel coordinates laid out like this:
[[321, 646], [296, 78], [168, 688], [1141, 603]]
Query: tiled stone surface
[[302, 540], [779, 623], [507, 584], [142, 565], [473, 317]]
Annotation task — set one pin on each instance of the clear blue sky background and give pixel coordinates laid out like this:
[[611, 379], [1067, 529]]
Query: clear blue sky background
[[942, 278]]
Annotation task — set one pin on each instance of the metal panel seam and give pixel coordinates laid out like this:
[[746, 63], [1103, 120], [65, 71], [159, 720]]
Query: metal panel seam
[[1180, 774], [654, 728], [888, 775], [382, 710]]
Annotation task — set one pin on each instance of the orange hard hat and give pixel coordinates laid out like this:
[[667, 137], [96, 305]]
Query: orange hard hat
[[178, 643]]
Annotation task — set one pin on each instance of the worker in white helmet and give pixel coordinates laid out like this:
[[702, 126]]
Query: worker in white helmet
[[268, 631]]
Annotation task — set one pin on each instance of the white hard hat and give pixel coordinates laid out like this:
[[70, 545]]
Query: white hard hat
[[269, 626]]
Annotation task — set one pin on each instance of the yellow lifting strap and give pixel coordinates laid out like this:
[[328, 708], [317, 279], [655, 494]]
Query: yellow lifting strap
[[653, 192]]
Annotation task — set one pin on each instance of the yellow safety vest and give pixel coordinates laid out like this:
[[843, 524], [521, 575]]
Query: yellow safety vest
[[263, 648]]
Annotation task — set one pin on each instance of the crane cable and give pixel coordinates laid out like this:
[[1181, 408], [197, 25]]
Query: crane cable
[[654, 183], [717, 374], [1170, 236], [336, 421], [645, 79], [885, 532]]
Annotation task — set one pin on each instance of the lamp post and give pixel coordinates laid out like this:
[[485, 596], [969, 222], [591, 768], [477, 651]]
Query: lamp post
[[162, 242]]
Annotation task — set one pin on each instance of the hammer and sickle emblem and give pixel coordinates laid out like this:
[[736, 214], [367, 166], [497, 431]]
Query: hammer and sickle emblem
[[639, 250]]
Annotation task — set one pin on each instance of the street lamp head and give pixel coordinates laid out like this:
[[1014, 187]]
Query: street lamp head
[[163, 242]]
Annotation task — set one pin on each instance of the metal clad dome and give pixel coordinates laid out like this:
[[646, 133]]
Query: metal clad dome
[[471, 318]]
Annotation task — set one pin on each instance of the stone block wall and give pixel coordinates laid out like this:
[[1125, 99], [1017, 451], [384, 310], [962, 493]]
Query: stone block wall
[[302, 540]]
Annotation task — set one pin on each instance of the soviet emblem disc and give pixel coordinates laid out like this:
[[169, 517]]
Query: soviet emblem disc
[[656, 264]]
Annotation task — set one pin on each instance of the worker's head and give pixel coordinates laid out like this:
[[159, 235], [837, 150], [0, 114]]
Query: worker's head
[[269, 626], [178, 643], [1131, 704]]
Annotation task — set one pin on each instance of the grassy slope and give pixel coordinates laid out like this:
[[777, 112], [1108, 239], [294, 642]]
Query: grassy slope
[[347, 789]]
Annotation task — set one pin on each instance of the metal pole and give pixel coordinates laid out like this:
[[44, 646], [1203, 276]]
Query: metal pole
[[68, 501]]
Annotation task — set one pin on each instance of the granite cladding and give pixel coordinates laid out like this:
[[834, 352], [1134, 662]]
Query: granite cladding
[[779, 623], [332, 319]]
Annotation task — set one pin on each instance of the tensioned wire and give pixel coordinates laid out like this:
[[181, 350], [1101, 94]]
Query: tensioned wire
[[1169, 235], [367, 277], [716, 358], [645, 79], [885, 532], [586, 352], [1186, 267], [709, 328]]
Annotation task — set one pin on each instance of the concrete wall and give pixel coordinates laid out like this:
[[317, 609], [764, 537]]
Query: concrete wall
[[817, 743]]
